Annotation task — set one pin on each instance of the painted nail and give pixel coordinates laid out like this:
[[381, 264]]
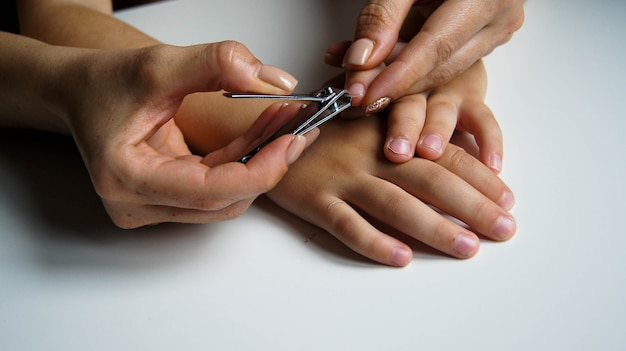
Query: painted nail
[[277, 77], [295, 149], [359, 52], [400, 256], [504, 228], [378, 105], [432, 142], [495, 163], [400, 146], [465, 244]]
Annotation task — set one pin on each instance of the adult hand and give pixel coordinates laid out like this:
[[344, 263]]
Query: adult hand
[[343, 184], [120, 111], [442, 39]]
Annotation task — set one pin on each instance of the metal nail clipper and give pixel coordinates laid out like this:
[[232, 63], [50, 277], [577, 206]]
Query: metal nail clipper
[[325, 104]]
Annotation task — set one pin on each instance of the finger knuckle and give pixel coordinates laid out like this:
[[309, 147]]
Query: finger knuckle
[[344, 228], [376, 15], [442, 100], [441, 74], [484, 210], [458, 158], [229, 53], [444, 48]]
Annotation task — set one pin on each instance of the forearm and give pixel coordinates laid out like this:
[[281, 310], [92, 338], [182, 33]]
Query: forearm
[[208, 120], [33, 81], [87, 24]]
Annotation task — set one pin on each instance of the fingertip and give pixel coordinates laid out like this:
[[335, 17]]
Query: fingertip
[[431, 146], [504, 228], [336, 52], [359, 53], [356, 91], [507, 200], [295, 149], [399, 150], [466, 245], [495, 163], [277, 78], [400, 256]]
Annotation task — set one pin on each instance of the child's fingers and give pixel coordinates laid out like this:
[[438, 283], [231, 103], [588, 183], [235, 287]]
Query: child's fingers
[[477, 119], [406, 119], [441, 121]]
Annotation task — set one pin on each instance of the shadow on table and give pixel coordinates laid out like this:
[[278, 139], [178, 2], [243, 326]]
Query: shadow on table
[[53, 199], [48, 195]]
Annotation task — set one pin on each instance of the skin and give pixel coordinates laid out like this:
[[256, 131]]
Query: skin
[[153, 128], [414, 46], [118, 104], [343, 184]]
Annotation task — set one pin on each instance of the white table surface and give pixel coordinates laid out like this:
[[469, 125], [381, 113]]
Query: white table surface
[[69, 280]]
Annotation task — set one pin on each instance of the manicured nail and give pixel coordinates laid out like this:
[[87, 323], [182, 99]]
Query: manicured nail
[[359, 52], [504, 228], [277, 77], [378, 105], [465, 244], [495, 163], [295, 149], [432, 142], [400, 146], [400, 256], [507, 201], [356, 90]]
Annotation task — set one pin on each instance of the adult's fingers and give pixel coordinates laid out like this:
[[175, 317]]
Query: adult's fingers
[[447, 30], [268, 122], [377, 31], [130, 215], [151, 178], [227, 65]]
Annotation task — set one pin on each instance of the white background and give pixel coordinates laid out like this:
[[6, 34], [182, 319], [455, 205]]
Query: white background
[[69, 280]]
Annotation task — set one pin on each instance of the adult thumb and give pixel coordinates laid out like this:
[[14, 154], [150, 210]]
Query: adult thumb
[[226, 65], [378, 27]]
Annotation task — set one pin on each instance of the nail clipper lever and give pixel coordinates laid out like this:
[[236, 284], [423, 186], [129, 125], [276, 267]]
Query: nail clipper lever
[[325, 104]]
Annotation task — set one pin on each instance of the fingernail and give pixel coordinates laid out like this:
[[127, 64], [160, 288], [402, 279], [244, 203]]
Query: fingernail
[[277, 77], [356, 90], [378, 105], [432, 142], [465, 244], [295, 149], [400, 256], [359, 52], [507, 201], [504, 228], [495, 163], [400, 146]]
